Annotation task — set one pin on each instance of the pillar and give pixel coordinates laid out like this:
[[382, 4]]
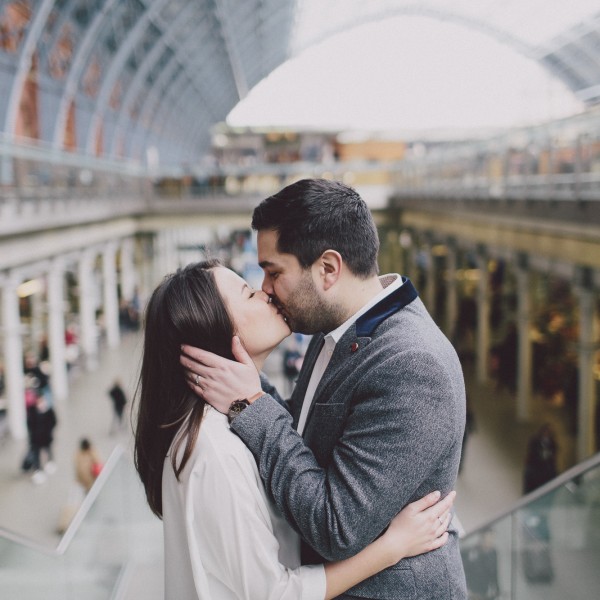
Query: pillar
[[451, 290], [430, 280], [586, 352], [149, 276], [87, 309], [483, 317], [395, 252], [110, 294], [128, 277], [13, 359], [524, 349], [161, 258], [37, 318], [56, 331]]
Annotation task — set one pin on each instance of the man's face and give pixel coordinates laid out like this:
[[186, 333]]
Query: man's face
[[294, 289]]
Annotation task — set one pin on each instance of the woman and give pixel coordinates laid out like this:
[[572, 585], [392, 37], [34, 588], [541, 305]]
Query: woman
[[223, 537]]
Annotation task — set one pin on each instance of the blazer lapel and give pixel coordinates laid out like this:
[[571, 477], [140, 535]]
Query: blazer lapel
[[346, 351]]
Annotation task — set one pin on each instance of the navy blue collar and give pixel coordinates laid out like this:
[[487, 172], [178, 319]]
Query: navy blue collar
[[367, 323]]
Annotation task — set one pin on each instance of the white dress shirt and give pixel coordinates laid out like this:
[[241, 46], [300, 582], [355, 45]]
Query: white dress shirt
[[223, 539], [390, 283]]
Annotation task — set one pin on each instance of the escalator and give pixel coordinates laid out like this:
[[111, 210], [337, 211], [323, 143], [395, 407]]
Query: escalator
[[112, 549], [546, 547]]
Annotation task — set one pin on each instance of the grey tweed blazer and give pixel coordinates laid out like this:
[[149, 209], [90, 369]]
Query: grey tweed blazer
[[384, 429]]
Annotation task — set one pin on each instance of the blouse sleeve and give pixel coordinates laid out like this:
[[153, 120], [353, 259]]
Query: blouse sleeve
[[226, 510]]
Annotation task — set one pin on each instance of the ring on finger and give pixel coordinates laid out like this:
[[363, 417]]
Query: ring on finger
[[197, 379], [440, 520]]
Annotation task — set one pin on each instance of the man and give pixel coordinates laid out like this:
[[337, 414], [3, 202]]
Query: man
[[377, 416]]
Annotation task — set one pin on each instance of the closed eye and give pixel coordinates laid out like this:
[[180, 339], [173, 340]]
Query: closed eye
[[252, 294]]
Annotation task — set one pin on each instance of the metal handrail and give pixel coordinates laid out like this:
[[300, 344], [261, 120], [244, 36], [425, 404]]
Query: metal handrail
[[89, 500], [554, 484]]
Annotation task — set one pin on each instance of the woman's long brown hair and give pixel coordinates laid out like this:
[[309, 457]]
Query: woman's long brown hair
[[186, 308]]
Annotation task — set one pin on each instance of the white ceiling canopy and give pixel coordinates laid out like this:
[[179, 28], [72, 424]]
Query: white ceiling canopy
[[121, 77]]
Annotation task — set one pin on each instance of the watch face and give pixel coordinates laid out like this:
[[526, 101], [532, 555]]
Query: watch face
[[237, 407]]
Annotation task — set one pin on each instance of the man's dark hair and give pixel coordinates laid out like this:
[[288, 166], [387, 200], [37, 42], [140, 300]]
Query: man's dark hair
[[314, 215]]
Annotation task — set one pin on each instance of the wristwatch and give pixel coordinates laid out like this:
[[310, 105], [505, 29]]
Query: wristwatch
[[237, 406]]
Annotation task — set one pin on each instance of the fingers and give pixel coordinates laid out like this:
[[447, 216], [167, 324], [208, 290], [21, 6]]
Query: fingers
[[425, 502], [239, 352], [438, 542], [445, 504], [191, 356], [431, 501], [195, 382], [442, 523]]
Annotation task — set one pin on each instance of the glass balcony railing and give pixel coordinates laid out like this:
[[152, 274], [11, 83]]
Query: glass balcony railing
[[546, 548], [112, 534]]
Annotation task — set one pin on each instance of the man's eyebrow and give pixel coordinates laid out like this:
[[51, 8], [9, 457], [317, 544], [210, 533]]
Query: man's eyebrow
[[265, 263]]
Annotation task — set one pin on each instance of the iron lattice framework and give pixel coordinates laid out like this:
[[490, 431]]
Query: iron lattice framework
[[118, 77]]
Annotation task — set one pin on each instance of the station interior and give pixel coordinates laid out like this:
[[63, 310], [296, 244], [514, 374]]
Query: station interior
[[121, 161]]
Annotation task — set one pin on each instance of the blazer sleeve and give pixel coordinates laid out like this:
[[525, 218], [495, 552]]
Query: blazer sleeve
[[244, 550], [401, 427], [270, 389]]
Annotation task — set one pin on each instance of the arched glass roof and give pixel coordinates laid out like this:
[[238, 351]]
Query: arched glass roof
[[118, 77]]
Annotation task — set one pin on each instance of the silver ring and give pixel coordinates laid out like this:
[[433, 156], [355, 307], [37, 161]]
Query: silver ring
[[440, 520], [197, 379]]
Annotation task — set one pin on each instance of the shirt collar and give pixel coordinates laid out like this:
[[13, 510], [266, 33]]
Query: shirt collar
[[390, 282]]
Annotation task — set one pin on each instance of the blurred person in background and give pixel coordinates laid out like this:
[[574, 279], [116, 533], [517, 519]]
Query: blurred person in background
[[87, 464], [541, 459], [119, 400], [42, 427]]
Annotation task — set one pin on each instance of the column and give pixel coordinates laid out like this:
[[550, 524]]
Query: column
[[385, 251], [524, 349], [395, 252], [87, 309], [161, 258], [430, 280], [37, 317], [413, 263], [149, 276], [110, 295], [56, 331], [587, 351], [483, 317], [451, 290], [13, 359], [128, 278]]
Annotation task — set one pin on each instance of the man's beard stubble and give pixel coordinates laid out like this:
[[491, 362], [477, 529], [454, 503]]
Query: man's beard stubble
[[308, 313]]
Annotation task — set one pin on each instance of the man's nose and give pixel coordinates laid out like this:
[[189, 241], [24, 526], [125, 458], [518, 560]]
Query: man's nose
[[267, 287]]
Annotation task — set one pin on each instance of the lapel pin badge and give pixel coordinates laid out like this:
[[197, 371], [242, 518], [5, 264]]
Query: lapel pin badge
[[354, 347]]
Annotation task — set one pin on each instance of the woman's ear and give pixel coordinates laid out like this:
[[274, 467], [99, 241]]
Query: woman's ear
[[330, 268]]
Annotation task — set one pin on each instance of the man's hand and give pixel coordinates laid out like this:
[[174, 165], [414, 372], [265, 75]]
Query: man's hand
[[219, 380]]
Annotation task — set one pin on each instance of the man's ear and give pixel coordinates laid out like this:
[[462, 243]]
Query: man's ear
[[329, 268]]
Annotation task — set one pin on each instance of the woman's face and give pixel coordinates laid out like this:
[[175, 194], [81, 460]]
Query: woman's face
[[257, 321]]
